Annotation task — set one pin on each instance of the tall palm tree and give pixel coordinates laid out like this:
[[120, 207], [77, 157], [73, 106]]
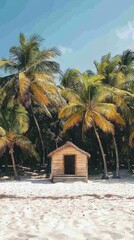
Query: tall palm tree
[[14, 124], [34, 70], [127, 150], [113, 78], [90, 108]]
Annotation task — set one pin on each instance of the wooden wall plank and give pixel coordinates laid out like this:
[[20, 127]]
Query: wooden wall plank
[[81, 162]]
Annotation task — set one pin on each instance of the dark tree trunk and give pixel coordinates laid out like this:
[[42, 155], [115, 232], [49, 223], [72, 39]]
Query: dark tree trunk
[[16, 177], [40, 135], [127, 132], [6, 166], [105, 175], [56, 143], [129, 165], [116, 175]]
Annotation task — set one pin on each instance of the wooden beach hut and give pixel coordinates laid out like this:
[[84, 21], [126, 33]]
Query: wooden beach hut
[[69, 163]]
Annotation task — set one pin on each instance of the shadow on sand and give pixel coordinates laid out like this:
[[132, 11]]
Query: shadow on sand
[[125, 178]]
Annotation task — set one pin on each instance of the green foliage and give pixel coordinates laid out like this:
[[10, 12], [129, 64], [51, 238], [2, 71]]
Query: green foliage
[[88, 103], [14, 123]]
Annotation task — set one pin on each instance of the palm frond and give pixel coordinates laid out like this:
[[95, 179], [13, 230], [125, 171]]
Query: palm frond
[[26, 145], [69, 110], [51, 53], [88, 118], [24, 83], [129, 84], [46, 78], [3, 62], [126, 62], [71, 79], [22, 39], [42, 62], [73, 120], [36, 38], [89, 73], [45, 84], [2, 132], [121, 104], [8, 65], [95, 79], [71, 96], [4, 142], [121, 79], [119, 119], [106, 109], [38, 94], [103, 123], [21, 121]]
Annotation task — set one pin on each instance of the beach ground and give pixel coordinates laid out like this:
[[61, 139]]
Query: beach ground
[[37, 209]]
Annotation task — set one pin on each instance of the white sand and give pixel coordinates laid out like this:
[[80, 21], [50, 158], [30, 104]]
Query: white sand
[[98, 209]]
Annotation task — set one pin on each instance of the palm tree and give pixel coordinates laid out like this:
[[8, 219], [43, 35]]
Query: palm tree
[[126, 62], [71, 78], [91, 109], [14, 123], [29, 58], [113, 77], [130, 128], [33, 70]]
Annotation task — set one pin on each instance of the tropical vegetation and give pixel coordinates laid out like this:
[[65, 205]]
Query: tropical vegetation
[[94, 110]]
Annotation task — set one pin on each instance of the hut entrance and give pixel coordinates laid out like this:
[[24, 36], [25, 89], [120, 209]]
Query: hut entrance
[[69, 164]]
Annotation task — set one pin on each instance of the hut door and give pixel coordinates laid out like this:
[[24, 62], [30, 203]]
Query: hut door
[[69, 164]]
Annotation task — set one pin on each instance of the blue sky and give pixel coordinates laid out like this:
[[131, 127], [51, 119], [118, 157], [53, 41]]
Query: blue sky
[[84, 30]]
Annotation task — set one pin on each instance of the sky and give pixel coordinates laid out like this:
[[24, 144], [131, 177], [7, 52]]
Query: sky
[[83, 30]]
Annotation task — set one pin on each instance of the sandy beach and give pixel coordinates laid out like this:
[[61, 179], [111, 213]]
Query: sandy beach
[[38, 209]]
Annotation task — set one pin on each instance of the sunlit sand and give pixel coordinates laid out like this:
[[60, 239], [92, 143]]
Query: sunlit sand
[[38, 209]]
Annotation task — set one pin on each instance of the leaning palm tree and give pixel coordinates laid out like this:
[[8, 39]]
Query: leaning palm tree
[[92, 110], [14, 124], [34, 69]]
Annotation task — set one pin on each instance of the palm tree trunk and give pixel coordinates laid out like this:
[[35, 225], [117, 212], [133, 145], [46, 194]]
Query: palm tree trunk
[[105, 175], [40, 135], [6, 166], [116, 175], [16, 177], [127, 132]]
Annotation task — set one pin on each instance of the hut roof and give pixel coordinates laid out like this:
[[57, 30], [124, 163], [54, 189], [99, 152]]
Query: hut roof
[[68, 144]]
